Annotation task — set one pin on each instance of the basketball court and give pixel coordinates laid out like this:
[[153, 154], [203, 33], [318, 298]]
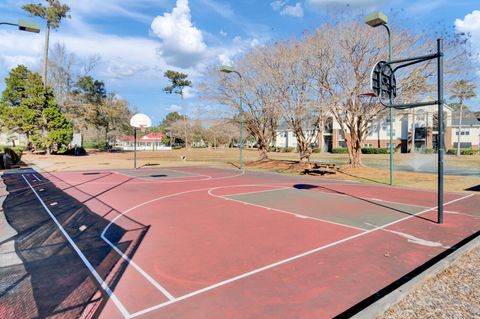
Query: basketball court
[[202, 242]]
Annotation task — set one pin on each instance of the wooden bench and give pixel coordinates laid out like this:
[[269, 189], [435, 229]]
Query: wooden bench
[[320, 169]]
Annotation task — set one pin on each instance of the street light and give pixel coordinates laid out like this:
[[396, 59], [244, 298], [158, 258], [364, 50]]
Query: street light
[[25, 26], [228, 69], [374, 20]]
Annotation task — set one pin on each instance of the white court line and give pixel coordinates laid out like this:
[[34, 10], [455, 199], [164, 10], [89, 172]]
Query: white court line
[[161, 305], [90, 267], [126, 258], [250, 273], [392, 202], [36, 177]]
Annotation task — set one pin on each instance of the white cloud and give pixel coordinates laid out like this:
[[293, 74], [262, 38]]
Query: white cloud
[[294, 11], [174, 108], [277, 5], [470, 25], [122, 57], [223, 33], [182, 43]]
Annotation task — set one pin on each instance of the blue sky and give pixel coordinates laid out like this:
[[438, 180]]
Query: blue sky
[[138, 40]]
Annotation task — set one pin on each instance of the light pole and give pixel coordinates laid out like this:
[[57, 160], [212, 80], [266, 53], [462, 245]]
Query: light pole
[[25, 26], [227, 69], [374, 20]]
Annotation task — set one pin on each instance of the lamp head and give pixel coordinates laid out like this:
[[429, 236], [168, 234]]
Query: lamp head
[[376, 19], [28, 26], [226, 69]]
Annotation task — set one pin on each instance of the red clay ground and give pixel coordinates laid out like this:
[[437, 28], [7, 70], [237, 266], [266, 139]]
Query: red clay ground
[[222, 244]]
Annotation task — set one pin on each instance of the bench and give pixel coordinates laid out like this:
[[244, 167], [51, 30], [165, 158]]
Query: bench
[[320, 169]]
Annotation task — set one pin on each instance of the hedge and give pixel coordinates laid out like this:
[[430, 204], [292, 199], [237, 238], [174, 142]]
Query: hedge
[[340, 150], [463, 152], [375, 150]]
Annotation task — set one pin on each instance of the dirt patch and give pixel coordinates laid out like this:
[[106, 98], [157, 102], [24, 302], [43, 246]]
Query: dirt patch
[[280, 166]]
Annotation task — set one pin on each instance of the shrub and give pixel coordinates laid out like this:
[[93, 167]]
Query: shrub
[[177, 147], [272, 149], [453, 151], [14, 156], [468, 152], [288, 149], [340, 150], [375, 150], [369, 150], [18, 149], [316, 150], [427, 151]]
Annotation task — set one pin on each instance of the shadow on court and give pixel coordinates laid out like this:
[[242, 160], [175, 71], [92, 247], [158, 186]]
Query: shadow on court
[[44, 276]]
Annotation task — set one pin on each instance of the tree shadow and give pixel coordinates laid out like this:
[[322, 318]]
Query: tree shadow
[[334, 191], [473, 188], [52, 279]]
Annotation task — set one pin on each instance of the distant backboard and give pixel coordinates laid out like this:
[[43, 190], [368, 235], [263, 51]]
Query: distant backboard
[[140, 121]]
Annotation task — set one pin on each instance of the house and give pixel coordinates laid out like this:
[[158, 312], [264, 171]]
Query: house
[[13, 139], [149, 142], [415, 129]]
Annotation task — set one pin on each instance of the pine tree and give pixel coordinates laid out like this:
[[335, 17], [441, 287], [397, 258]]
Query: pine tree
[[30, 109]]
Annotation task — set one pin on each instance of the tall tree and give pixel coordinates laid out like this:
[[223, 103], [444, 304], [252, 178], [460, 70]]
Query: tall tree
[[462, 90], [290, 79], [178, 82], [30, 109], [53, 14]]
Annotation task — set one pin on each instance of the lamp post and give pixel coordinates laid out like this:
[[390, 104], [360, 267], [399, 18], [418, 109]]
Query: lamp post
[[374, 20], [25, 26], [227, 69]]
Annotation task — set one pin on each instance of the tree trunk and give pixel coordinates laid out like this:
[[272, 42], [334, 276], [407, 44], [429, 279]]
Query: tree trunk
[[45, 55], [262, 153], [305, 156], [355, 158], [354, 151], [459, 131]]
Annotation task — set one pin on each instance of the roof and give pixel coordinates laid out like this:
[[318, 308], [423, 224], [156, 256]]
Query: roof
[[150, 137], [468, 118]]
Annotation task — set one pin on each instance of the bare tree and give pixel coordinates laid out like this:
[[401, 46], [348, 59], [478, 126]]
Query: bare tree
[[290, 78], [346, 54], [260, 115]]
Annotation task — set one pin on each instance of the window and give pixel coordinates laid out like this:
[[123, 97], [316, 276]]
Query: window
[[464, 132], [367, 145]]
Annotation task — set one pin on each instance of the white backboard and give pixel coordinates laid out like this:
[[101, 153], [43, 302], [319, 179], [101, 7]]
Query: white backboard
[[140, 121]]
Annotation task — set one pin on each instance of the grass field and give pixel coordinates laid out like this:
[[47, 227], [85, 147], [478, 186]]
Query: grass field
[[229, 158]]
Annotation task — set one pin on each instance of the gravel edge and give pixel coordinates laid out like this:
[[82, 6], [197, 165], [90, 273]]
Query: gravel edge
[[448, 289]]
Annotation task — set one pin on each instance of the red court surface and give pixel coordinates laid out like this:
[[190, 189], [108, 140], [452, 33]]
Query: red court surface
[[203, 242]]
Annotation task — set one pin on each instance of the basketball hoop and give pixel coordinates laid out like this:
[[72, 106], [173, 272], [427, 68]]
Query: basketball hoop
[[138, 121], [383, 82]]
